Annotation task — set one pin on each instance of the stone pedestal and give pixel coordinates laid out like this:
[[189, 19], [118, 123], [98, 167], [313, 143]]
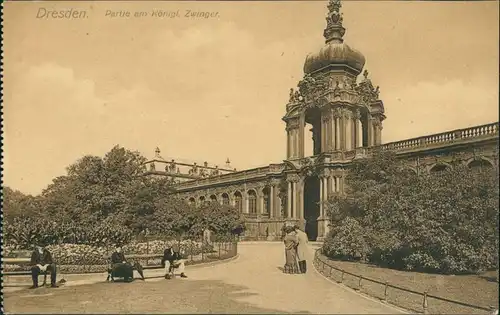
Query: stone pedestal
[[323, 229]]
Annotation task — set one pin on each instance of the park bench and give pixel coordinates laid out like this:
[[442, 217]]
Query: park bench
[[147, 258], [23, 261]]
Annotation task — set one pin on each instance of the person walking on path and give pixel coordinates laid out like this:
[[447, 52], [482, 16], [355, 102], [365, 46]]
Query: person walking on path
[[301, 249]]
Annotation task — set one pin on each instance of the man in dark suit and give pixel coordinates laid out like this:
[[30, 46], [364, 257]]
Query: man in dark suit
[[121, 268], [172, 258], [41, 261]]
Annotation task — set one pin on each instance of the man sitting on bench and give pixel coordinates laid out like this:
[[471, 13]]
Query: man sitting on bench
[[172, 259], [121, 268], [41, 262]]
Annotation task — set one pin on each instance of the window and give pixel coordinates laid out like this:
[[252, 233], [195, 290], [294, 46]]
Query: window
[[252, 202]]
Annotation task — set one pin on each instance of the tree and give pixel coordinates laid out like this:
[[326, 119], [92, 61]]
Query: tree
[[97, 187], [16, 204], [106, 200]]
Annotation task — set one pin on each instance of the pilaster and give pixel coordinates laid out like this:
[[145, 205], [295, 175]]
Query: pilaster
[[336, 115], [301, 134], [358, 134]]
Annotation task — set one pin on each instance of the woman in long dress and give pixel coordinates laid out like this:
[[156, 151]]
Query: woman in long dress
[[291, 241]]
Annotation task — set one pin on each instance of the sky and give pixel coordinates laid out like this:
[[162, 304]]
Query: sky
[[216, 88]]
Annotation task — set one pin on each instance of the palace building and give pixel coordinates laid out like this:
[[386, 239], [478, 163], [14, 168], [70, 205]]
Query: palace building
[[346, 119]]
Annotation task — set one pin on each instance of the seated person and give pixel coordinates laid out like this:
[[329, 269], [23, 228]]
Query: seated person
[[121, 268], [172, 258], [41, 261]]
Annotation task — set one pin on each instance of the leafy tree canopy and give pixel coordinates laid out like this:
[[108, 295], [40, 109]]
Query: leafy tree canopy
[[443, 222], [102, 200]]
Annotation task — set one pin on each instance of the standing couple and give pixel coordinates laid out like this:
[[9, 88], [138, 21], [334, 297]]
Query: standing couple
[[295, 250]]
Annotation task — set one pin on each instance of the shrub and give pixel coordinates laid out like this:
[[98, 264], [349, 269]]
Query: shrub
[[445, 222], [346, 241]]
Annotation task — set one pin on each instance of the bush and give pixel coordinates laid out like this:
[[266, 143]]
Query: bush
[[24, 232], [346, 241], [445, 222]]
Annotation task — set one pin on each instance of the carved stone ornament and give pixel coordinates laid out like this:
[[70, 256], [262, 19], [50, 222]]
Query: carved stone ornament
[[346, 113], [312, 88], [334, 30], [337, 112], [367, 92], [275, 181], [357, 114], [295, 96], [305, 162], [293, 178]]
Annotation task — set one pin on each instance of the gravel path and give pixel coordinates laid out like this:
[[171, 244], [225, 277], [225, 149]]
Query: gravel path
[[253, 283]]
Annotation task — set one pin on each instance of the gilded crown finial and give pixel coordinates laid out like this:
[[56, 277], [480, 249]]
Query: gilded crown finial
[[334, 30]]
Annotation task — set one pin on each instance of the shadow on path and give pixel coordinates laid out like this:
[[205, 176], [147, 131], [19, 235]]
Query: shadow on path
[[164, 296]]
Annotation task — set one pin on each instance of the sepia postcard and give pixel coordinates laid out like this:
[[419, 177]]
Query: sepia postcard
[[295, 156]]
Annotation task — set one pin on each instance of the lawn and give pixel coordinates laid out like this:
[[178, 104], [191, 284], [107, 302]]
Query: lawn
[[480, 290]]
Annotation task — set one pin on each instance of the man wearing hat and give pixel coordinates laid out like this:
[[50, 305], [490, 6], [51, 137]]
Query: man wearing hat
[[41, 261], [301, 248], [121, 268], [172, 257]]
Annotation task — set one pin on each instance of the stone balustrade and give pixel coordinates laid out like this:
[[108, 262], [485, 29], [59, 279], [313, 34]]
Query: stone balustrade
[[421, 143], [231, 177], [444, 137]]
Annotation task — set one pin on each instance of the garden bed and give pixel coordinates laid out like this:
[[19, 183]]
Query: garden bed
[[480, 290]]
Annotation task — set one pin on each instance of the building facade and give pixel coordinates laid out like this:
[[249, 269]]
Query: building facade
[[346, 118]]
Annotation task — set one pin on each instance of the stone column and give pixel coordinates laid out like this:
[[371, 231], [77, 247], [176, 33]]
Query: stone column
[[321, 179], [342, 129], [337, 133], [294, 201], [326, 226], [260, 207], [331, 132], [337, 184], [302, 123], [300, 199], [288, 146], [272, 209], [357, 130], [246, 208], [296, 142], [327, 134], [325, 192], [322, 132], [369, 130], [330, 184], [348, 130], [289, 200], [342, 183], [379, 133]]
